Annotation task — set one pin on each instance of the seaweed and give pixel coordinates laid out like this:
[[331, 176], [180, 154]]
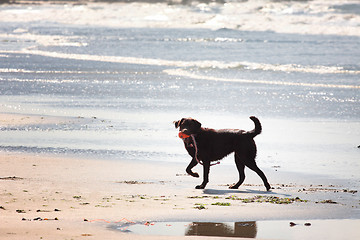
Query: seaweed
[[327, 201], [221, 204], [267, 199], [199, 206]]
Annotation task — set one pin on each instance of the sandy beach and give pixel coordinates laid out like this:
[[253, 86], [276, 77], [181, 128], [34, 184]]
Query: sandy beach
[[58, 197], [47, 197]]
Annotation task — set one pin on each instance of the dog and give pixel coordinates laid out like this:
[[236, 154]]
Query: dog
[[206, 145]]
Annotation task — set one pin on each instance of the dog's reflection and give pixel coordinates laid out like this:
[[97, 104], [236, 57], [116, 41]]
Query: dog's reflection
[[237, 229]]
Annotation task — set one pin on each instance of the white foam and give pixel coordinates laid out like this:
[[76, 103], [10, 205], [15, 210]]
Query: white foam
[[20, 70], [44, 80], [181, 68], [318, 69], [299, 68], [184, 73], [45, 40], [301, 17]]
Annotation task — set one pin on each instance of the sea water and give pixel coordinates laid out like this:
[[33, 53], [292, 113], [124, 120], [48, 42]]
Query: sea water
[[329, 229], [121, 73]]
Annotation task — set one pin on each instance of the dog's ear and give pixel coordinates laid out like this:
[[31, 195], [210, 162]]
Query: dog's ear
[[177, 123], [197, 124]]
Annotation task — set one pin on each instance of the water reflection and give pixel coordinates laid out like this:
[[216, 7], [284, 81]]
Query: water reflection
[[225, 229], [275, 229], [237, 229]]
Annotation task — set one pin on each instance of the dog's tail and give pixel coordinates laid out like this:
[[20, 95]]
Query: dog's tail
[[257, 130]]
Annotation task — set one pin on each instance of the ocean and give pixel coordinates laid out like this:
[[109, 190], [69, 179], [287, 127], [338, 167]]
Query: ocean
[[118, 74]]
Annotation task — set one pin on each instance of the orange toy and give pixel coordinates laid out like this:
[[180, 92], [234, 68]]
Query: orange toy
[[183, 135]]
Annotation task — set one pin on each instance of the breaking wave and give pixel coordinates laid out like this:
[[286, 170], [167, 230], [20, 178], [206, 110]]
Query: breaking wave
[[302, 17], [181, 68], [181, 64], [183, 73]]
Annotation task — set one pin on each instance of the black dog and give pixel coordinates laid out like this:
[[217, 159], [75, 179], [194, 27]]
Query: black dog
[[206, 145]]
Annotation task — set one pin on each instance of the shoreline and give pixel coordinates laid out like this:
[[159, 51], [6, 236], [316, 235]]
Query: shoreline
[[27, 130], [77, 192]]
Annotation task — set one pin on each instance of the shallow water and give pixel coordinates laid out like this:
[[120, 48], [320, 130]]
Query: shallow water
[[325, 229], [120, 87]]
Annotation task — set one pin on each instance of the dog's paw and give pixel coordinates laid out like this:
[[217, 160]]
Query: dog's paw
[[233, 186], [195, 174], [200, 187]]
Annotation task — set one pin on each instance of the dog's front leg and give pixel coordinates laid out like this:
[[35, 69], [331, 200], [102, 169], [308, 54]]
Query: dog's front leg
[[206, 167], [192, 164]]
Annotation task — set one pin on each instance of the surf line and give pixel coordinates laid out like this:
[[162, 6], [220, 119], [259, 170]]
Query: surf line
[[183, 73], [184, 64], [128, 60]]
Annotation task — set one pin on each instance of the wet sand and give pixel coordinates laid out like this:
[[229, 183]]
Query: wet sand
[[63, 198], [59, 197]]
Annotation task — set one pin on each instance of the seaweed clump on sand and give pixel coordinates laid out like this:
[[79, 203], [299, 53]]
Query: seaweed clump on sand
[[267, 199]]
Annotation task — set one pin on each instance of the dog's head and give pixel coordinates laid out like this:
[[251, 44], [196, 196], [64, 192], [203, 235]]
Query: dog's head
[[188, 125]]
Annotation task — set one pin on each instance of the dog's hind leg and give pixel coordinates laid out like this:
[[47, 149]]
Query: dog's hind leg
[[192, 164], [256, 169], [206, 167], [240, 167]]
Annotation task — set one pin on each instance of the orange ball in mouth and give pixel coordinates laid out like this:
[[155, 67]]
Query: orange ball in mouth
[[183, 135]]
